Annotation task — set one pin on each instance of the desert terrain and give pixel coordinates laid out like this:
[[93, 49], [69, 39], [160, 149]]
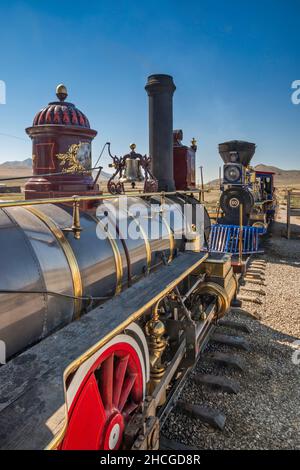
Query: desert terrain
[[284, 180]]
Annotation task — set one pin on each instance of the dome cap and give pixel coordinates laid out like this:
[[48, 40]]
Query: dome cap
[[61, 112]]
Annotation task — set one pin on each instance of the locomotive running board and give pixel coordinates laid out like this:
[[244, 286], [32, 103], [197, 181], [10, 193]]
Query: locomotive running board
[[32, 385]]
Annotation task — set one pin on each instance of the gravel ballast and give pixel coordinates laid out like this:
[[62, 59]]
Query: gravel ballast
[[265, 414]]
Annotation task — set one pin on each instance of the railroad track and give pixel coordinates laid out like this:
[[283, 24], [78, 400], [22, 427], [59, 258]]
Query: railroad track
[[224, 334]]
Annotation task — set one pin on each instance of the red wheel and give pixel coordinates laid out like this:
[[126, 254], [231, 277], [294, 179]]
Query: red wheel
[[103, 394]]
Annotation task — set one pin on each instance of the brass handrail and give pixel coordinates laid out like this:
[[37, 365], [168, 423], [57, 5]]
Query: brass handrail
[[76, 199]]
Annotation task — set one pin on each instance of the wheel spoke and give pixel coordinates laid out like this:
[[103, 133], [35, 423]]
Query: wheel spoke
[[127, 387], [106, 382], [128, 409], [119, 375], [107, 396]]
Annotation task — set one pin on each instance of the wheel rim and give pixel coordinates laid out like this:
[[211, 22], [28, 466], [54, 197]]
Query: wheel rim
[[106, 398]]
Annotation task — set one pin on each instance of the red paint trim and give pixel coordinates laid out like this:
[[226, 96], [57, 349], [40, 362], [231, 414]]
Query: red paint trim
[[265, 172], [51, 165]]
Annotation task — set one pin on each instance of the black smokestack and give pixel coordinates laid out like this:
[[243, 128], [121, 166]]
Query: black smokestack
[[246, 150], [160, 89]]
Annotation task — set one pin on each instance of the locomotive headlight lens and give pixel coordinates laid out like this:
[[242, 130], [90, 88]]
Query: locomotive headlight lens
[[232, 174]]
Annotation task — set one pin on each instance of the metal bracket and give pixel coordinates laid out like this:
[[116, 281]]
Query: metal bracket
[[191, 344], [142, 431], [76, 228], [149, 440]]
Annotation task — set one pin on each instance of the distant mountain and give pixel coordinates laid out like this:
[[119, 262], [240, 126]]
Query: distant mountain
[[103, 176], [24, 168], [17, 164], [282, 177]]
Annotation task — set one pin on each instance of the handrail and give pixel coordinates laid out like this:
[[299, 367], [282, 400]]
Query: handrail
[[77, 199]]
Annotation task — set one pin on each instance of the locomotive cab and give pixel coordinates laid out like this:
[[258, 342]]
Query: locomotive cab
[[266, 180]]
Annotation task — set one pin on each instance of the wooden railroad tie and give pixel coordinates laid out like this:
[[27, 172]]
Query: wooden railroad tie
[[255, 281], [210, 416], [253, 290], [170, 444], [254, 300], [228, 360], [234, 325], [234, 341], [217, 381]]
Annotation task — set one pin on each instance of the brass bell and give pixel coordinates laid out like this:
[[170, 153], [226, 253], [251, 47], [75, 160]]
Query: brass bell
[[132, 171]]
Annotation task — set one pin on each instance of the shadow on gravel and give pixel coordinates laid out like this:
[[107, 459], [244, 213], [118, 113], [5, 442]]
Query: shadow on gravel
[[265, 413], [279, 228], [279, 249]]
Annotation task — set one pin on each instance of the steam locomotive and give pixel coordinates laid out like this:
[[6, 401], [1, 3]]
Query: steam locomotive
[[100, 316], [247, 194]]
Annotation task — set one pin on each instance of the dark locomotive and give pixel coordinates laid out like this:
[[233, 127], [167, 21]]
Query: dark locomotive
[[247, 195], [97, 325]]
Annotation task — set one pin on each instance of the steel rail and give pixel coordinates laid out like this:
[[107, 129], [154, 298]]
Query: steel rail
[[202, 335]]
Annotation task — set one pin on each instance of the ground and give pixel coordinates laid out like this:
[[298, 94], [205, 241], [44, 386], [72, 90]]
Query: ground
[[265, 414]]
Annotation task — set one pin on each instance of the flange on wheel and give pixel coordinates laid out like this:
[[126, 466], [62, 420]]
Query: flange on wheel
[[104, 393]]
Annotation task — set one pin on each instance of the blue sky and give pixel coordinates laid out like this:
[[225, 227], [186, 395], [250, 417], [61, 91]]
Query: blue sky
[[233, 63]]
